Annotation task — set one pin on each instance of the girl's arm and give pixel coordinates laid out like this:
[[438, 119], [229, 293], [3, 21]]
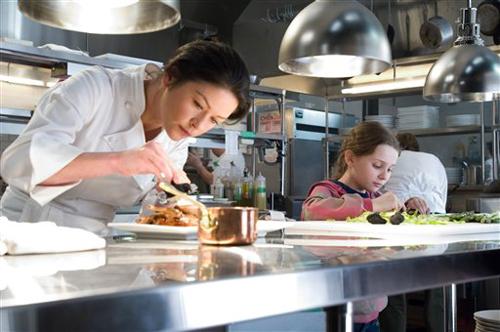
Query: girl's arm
[[322, 204]]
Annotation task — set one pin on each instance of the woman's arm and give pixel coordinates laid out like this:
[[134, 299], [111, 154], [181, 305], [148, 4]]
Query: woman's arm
[[149, 159]]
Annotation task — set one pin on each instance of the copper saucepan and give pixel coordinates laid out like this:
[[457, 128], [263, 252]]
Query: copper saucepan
[[229, 226], [222, 225]]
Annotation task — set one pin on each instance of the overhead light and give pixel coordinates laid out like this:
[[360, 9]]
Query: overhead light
[[104, 17], [26, 75], [399, 77], [468, 71], [386, 86], [334, 39], [26, 81]]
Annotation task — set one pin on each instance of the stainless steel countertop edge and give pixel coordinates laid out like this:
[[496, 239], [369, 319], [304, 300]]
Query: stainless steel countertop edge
[[197, 305]]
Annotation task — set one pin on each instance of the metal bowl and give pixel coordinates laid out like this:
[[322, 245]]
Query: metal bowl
[[229, 226]]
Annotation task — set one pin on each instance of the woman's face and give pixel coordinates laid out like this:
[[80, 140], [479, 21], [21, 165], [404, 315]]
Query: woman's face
[[372, 171], [194, 107]]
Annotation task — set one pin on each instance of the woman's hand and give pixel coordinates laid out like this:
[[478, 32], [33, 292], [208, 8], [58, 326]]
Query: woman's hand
[[387, 202], [180, 177], [417, 203], [148, 159]]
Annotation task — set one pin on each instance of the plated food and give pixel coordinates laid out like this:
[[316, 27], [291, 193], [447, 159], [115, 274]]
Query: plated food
[[176, 215], [396, 218]]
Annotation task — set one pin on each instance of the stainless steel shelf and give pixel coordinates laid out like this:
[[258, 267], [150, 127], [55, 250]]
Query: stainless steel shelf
[[264, 92], [443, 131], [269, 136], [426, 132], [245, 134], [46, 57], [35, 55]]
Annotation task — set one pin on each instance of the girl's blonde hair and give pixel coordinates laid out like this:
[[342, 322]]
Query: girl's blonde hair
[[362, 140]]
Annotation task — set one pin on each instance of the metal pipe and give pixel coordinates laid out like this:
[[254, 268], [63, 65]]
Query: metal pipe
[[340, 318], [495, 153], [483, 144], [343, 113], [450, 299], [348, 317], [327, 157], [284, 138], [254, 129]]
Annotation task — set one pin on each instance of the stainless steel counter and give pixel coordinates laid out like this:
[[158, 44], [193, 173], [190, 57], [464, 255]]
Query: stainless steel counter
[[178, 285]]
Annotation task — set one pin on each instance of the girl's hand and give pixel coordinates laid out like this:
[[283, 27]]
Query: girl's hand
[[148, 159], [417, 204], [387, 202]]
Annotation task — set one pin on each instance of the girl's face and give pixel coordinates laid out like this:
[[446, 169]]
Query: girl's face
[[192, 108], [371, 172]]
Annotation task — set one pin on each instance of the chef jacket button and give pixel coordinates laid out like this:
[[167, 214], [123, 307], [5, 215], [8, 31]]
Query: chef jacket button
[[128, 104]]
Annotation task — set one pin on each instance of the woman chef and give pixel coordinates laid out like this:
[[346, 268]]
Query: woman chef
[[97, 140]]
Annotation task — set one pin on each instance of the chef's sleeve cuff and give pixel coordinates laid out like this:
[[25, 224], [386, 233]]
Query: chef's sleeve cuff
[[48, 156], [44, 194]]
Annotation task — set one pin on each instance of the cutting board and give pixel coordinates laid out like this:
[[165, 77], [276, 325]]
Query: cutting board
[[305, 227]]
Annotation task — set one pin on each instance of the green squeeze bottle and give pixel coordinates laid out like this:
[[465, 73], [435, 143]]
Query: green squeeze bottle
[[247, 189], [260, 192]]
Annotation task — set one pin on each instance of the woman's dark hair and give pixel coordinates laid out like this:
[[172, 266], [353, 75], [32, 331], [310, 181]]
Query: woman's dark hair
[[362, 140], [408, 141], [212, 62]]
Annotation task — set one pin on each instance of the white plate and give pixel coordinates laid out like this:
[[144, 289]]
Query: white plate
[[486, 328], [480, 328], [157, 231], [184, 232], [487, 324], [382, 230], [488, 316]]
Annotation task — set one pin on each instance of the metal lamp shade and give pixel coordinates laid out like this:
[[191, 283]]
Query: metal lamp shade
[[464, 73], [334, 39], [92, 17]]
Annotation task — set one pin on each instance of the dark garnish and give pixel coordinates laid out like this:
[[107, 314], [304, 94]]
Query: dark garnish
[[413, 212], [376, 218], [397, 218]]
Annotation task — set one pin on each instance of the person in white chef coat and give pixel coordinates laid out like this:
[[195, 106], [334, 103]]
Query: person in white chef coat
[[101, 139], [418, 174]]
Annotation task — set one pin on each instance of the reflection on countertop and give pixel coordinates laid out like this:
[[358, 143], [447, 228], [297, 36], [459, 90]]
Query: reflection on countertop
[[141, 264]]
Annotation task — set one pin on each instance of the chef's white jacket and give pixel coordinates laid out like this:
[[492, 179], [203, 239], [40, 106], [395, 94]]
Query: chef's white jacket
[[420, 174], [97, 110]]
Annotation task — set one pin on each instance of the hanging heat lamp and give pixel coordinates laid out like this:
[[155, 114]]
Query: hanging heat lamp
[[468, 71], [104, 16], [334, 39]]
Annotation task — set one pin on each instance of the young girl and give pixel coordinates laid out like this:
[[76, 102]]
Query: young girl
[[364, 165]]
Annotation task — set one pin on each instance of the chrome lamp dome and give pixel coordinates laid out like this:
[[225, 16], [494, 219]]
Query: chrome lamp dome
[[468, 71], [334, 39], [104, 16]]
